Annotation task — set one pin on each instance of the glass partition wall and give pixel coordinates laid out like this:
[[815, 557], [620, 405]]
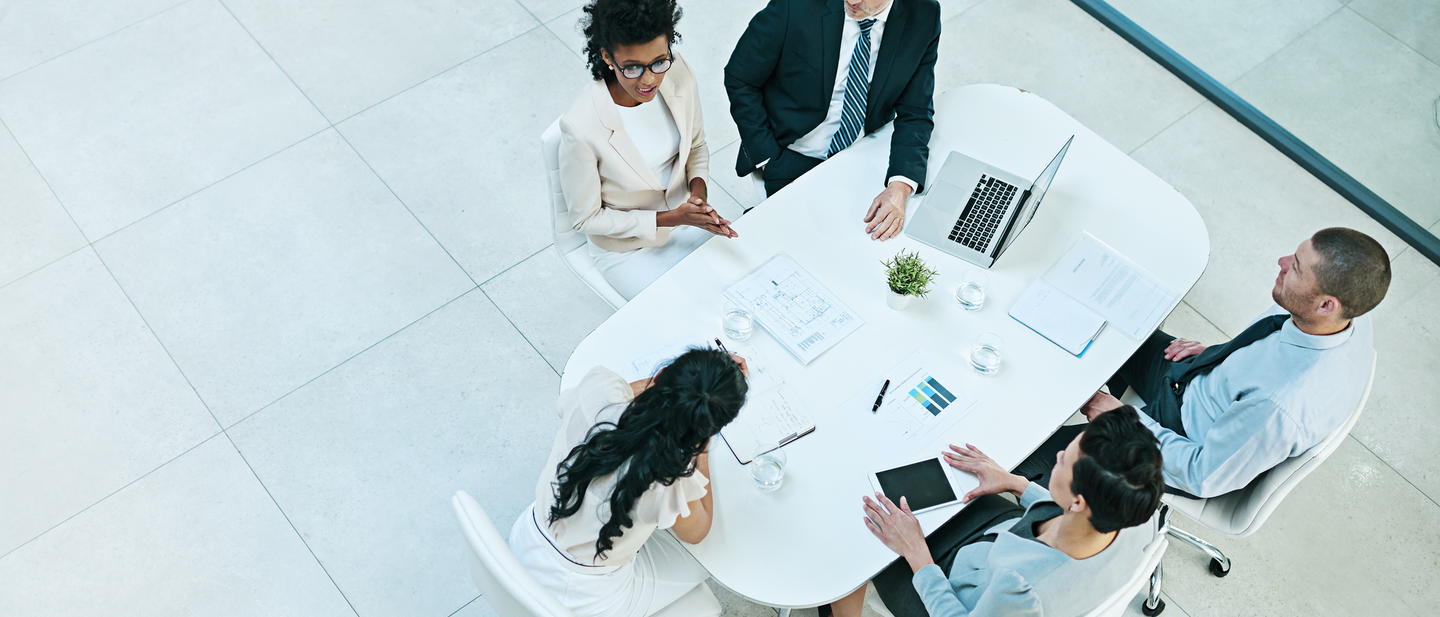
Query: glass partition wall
[[1349, 90]]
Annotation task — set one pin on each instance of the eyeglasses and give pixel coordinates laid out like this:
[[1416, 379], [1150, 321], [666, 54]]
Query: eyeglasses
[[634, 71]]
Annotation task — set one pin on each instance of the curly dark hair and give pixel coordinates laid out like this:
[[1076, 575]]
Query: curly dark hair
[[610, 23], [655, 439]]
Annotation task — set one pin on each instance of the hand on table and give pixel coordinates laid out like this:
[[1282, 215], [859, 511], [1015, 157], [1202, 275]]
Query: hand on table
[[1180, 348], [1099, 403], [886, 216], [696, 213], [898, 529], [993, 478]]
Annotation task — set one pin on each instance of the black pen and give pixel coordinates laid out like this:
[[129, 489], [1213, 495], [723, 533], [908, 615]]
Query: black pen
[[721, 346], [880, 398]]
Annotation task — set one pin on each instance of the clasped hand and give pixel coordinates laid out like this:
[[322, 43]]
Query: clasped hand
[[696, 213]]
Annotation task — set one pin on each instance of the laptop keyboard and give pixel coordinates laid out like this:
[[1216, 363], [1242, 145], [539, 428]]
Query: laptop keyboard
[[981, 216]]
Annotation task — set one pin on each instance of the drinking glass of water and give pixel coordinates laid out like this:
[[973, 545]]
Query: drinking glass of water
[[768, 468], [985, 354], [737, 322], [971, 292]]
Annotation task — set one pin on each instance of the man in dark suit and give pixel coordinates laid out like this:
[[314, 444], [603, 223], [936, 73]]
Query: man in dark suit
[[809, 77]]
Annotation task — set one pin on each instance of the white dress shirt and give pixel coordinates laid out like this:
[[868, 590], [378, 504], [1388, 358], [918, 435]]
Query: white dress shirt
[[815, 143], [1269, 401]]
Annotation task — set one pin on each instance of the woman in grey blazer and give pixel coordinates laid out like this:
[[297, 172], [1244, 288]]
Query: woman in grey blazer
[[1060, 553]]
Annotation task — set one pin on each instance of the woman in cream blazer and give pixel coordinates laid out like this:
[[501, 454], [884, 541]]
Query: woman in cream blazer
[[638, 195]]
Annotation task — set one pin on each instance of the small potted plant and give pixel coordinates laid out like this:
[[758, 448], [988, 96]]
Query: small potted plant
[[908, 277]]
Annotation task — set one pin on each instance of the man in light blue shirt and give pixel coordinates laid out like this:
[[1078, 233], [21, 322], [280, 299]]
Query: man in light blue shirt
[[1226, 414]]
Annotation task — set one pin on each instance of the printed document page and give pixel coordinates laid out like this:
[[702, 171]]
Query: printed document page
[[804, 317], [1057, 317], [1119, 290], [921, 402]]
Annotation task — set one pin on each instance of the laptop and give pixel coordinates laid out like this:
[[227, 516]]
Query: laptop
[[975, 211]]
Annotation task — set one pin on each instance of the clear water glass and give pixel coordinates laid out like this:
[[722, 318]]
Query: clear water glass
[[985, 354], [768, 468], [737, 322], [971, 292]]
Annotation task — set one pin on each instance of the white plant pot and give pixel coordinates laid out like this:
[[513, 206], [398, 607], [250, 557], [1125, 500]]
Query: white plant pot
[[895, 301]]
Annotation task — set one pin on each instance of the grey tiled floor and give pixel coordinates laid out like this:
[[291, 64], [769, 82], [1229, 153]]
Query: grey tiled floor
[[1358, 80], [275, 281]]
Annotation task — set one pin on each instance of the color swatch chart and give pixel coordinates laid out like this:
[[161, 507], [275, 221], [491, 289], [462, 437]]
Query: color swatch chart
[[931, 395], [923, 400]]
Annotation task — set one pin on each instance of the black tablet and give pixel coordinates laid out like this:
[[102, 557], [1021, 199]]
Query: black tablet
[[925, 484]]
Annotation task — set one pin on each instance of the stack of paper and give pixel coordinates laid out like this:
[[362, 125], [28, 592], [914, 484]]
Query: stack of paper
[[1090, 286]]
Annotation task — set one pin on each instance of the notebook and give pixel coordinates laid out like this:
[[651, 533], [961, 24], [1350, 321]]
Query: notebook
[[1058, 317]]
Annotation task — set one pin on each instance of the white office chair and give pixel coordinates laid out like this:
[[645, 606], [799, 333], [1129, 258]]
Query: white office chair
[[510, 589], [568, 242], [1115, 605], [1240, 513]]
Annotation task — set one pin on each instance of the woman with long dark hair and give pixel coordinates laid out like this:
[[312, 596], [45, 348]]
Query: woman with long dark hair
[[633, 159], [630, 460]]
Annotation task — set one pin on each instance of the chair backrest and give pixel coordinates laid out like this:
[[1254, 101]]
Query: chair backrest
[[503, 582], [1115, 605], [568, 242], [566, 238], [1241, 513]]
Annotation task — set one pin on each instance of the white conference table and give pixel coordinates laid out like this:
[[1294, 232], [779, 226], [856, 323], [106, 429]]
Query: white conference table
[[805, 544]]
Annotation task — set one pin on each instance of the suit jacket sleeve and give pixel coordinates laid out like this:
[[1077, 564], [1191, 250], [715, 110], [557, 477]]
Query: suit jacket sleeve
[[751, 64], [580, 182], [915, 118]]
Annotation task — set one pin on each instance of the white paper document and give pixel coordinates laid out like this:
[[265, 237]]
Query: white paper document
[[1122, 292], [921, 402], [804, 317], [1059, 318], [645, 366], [770, 419]]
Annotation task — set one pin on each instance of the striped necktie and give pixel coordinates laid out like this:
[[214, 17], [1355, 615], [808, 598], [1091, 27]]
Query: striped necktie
[[857, 85]]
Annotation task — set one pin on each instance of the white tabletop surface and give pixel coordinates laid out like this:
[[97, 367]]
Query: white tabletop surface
[[806, 544]]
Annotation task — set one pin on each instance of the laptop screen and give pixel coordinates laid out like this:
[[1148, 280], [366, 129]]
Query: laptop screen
[[1037, 192]]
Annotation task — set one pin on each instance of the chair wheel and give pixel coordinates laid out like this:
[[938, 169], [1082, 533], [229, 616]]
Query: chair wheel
[[1218, 570], [1152, 612]]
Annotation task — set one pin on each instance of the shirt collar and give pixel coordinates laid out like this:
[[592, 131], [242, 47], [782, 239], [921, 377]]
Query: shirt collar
[[880, 17], [1292, 335]]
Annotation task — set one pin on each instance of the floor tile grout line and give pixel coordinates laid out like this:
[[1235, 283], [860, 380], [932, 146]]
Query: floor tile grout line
[[208, 186], [97, 39], [406, 206], [513, 266], [348, 359], [1183, 116], [156, 335], [275, 62], [58, 202], [457, 611], [1391, 35], [557, 38], [427, 79], [522, 334], [291, 523], [1207, 320], [1392, 468], [111, 494], [47, 265], [1282, 48]]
